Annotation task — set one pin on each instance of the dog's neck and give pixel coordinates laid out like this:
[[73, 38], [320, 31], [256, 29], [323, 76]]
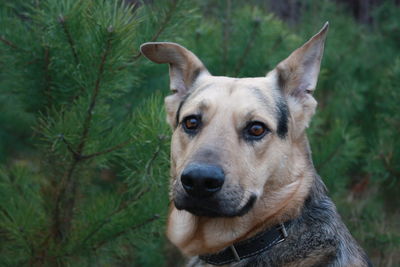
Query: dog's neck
[[195, 235]]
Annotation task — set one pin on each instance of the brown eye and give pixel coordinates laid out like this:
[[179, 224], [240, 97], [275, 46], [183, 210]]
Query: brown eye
[[191, 124], [255, 131]]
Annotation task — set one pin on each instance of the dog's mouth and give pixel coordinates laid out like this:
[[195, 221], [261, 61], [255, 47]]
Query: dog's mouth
[[214, 207]]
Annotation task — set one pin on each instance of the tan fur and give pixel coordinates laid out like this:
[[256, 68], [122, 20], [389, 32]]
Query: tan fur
[[277, 170], [281, 186]]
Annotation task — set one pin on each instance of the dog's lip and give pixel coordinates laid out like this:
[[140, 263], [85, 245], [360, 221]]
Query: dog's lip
[[207, 210], [203, 212], [249, 204]]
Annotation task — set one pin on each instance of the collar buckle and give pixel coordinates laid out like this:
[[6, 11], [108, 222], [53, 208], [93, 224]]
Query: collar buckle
[[235, 253], [283, 231]]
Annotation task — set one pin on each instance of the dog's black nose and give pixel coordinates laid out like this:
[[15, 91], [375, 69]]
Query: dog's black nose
[[202, 180]]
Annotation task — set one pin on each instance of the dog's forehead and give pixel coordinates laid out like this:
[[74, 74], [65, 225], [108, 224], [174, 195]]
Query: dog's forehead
[[246, 90], [217, 87]]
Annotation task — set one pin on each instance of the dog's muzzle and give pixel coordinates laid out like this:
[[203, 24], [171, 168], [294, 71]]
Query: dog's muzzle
[[204, 191], [202, 180]]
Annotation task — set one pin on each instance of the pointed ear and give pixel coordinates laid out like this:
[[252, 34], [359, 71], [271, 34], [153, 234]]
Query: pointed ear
[[184, 69], [298, 74], [297, 77]]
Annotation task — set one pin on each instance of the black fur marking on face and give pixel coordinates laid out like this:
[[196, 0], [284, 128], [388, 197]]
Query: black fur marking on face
[[283, 114], [179, 111]]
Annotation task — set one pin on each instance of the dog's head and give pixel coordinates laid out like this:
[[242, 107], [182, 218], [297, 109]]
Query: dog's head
[[233, 138]]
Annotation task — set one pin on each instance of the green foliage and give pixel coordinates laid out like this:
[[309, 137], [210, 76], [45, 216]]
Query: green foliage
[[243, 42], [83, 138], [118, 204], [93, 188]]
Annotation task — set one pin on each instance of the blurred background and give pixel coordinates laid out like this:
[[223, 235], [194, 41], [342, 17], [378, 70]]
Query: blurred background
[[84, 145]]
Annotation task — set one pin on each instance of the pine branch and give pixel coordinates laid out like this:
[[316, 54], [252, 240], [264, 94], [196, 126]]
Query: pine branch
[[27, 241], [95, 230], [60, 224], [387, 163], [6, 214], [161, 138], [128, 203], [114, 148], [68, 188], [75, 154], [226, 34], [9, 43], [41, 252], [13, 179], [163, 26], [330, 157], [31, 62], [249, 45], [166, 21], [78, 94], [47, 77], [96, 89], [133, 228], [61, 20], [278, 42], [80, 157], [109, 217]]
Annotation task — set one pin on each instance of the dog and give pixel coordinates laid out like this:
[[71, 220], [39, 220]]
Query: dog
[[243, 190]]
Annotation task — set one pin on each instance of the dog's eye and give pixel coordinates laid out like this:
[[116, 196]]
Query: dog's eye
[[191, 123], [255, 130]]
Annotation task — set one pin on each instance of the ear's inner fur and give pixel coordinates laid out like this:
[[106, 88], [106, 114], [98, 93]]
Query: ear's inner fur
[[298, 74]]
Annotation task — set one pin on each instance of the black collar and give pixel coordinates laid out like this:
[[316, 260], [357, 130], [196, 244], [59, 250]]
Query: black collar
[[249, 247]]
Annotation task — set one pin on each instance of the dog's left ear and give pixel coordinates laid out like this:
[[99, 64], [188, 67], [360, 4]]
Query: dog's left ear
[[297, 77], [184, 69]]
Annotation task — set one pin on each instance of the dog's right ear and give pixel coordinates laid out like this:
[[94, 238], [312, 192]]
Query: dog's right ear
[[184, 69], [297, 77]]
